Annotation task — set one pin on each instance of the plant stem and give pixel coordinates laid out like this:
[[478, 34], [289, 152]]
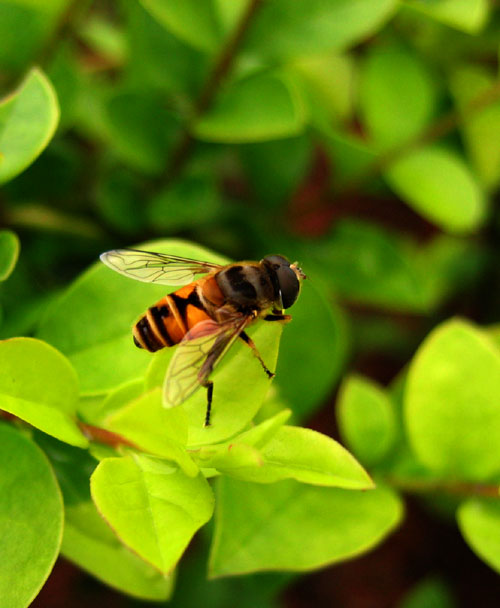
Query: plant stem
[[219, 72], [454, 488], [444, 125]]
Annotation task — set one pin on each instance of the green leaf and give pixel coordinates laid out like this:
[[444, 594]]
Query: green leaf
[[31, 519], [149, 43], [306, 456], [107, 304], [154, 508], [451, 402], [9, 252], [467, 15], [140, 128], [318, 332], [479, 522], [367, 264], [397, 95], [284, 29], [259, 108], [87, 540], [330, 80], [193, 21], [38, 385], [90, 544], [28, 120], [293, 526], [155, 429], [430, 593], [480, 129], [262, 433], [366, 419], [437, 183], [25, 26], [275, 168], [96, 408], [240, 386], [192, 200]]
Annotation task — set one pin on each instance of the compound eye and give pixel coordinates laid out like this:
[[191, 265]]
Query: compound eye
[[289, 285], [277, 260]]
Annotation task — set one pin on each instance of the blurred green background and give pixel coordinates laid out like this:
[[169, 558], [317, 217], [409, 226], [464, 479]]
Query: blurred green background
[[361, 138]]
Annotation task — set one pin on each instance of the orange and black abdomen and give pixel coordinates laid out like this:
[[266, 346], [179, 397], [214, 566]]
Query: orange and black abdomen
[[168, 321]]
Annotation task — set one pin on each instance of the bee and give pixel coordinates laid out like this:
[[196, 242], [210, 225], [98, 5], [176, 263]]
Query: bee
[[208, 314]]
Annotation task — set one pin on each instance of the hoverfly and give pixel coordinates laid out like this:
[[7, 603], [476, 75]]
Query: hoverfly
[[208, 314]]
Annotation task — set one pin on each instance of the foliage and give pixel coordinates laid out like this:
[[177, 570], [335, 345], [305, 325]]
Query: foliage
[[358, 136]]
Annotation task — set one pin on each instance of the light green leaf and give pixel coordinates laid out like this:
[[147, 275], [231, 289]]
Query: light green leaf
[[480, 129], [28, 120], [229, 459], [9, 252], [38, 385], [31, 519], [154, 508], [155, 429], [193, 21], [90, 544], [262, 433], [240, 386], [451, 402], [308, 457], [437, 183], [94, 409], [467, 15], [107, 304], [366, 419], [284, 29], [397, 95], [87, 540], [479, 522], [259, 108], [293, 526]]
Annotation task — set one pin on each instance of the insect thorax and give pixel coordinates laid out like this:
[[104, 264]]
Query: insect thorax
[[247, 285]]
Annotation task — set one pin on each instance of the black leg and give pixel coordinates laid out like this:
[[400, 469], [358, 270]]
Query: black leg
[[210, 390], [246, 338], [283, 318]]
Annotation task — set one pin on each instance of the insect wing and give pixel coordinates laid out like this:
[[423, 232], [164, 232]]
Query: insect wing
[[196, 356], [151, 267]]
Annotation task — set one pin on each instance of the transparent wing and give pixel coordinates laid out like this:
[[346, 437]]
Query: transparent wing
[[197, 354], [152, 267]]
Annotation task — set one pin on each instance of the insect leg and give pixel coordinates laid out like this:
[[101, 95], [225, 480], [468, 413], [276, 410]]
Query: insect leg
[[283, 318], [210, 389], [246, 338]]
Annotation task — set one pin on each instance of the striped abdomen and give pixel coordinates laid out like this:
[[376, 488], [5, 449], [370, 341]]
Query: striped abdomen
[[168, 321]]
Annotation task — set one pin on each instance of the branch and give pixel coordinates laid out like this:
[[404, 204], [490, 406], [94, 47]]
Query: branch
[[444, 125], [220, 71], [454, 488]]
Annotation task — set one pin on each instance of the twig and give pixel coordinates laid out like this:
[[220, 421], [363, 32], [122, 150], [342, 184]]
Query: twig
[[454, 488], [440, 128], [221, 69]]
